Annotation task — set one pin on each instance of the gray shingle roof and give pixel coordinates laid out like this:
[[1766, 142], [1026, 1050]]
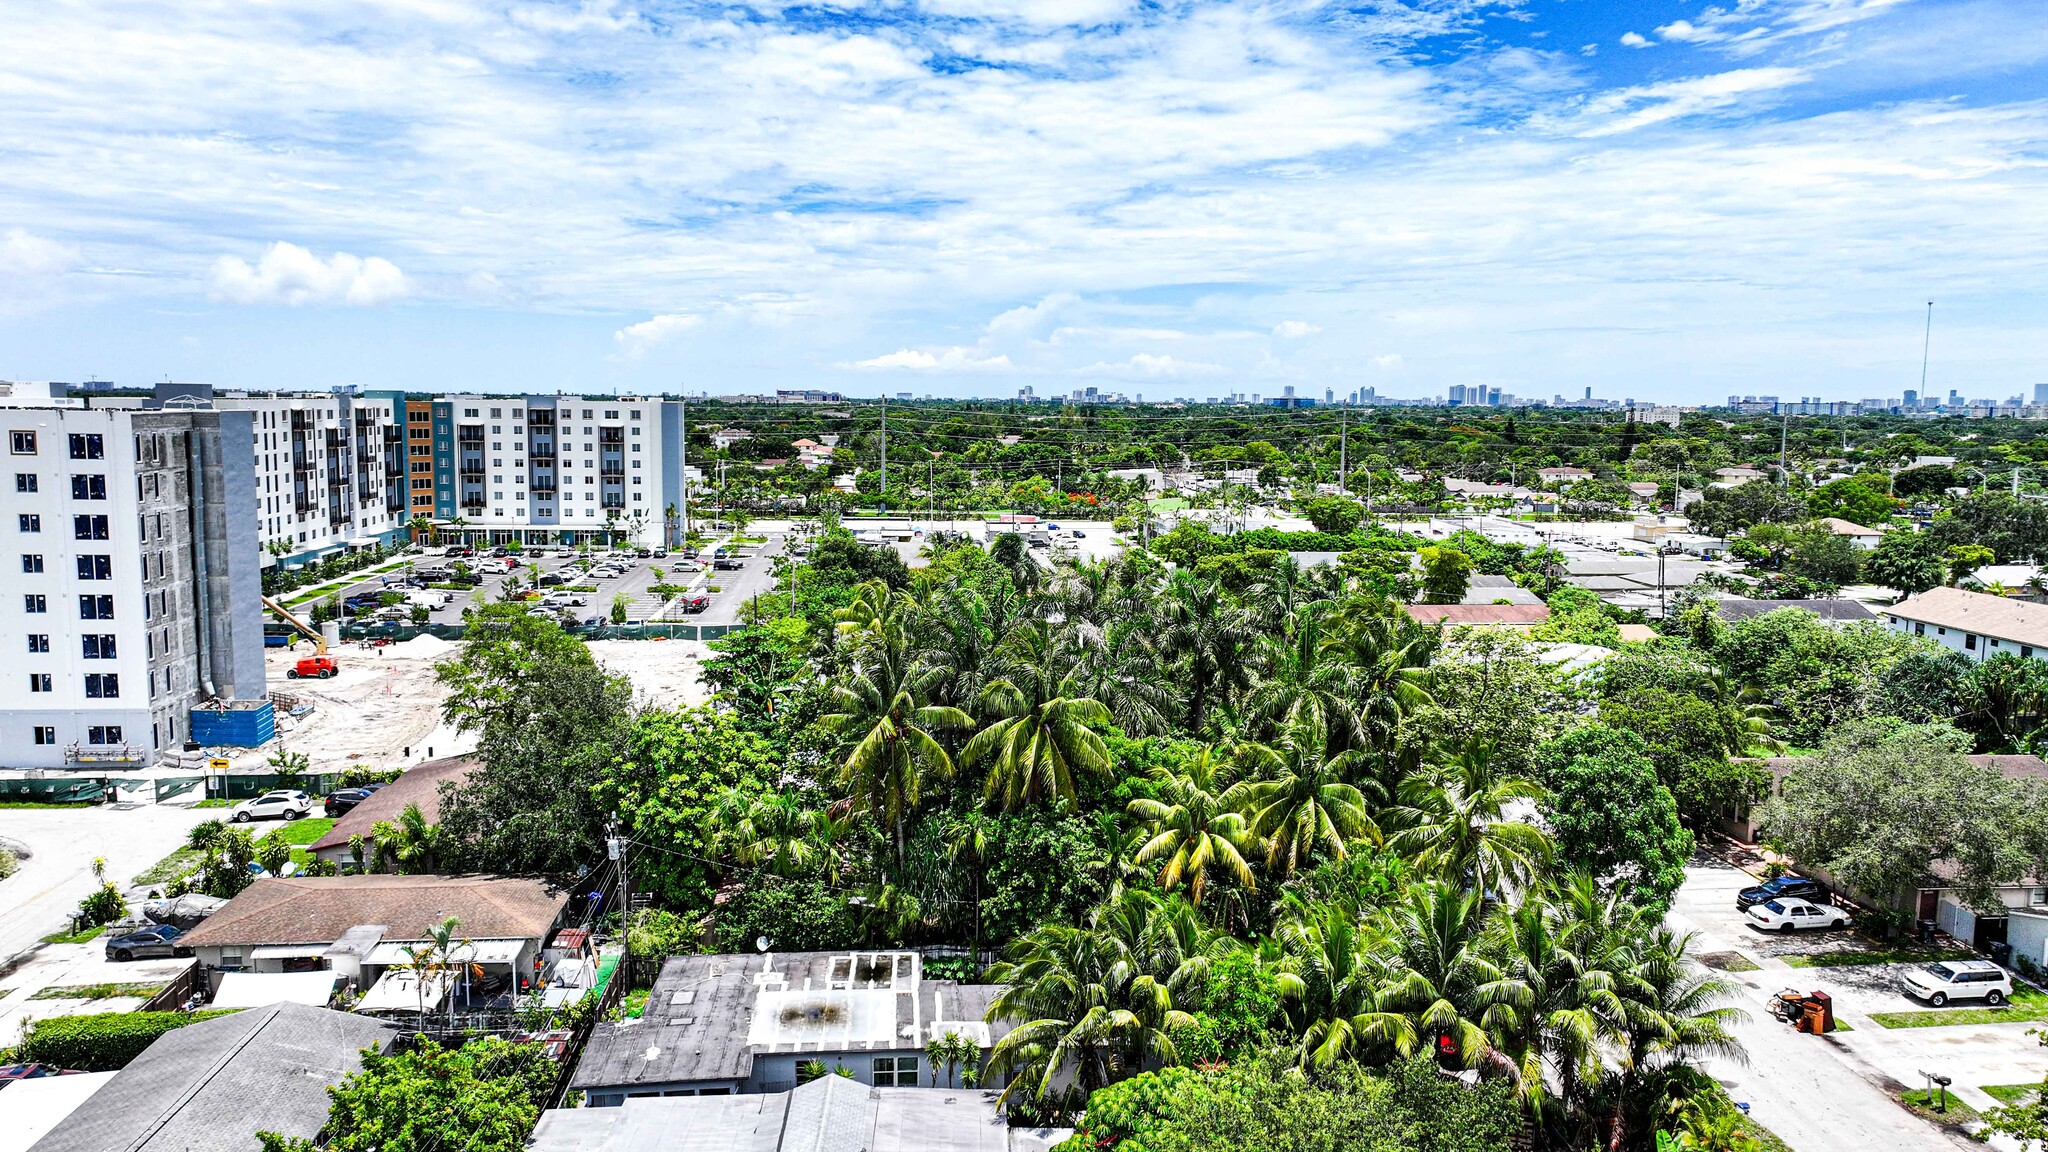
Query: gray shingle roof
[[420, 785], [212, 1085], [1839, 611], [830, 1114]]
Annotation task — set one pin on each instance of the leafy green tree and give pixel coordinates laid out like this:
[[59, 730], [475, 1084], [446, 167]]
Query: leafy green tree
[[1726, 511], [1823, 557], [676, 769], [1853, 499], [409, 845], [1446, 573], [1965, 559], [1610, 815], [1883, 802], [1333, 513], [484, 1096], [1911, 562]]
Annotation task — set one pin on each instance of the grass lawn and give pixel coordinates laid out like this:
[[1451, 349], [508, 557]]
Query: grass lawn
[[97, 991], [1955, 1111], [2010, 1094], [1169, 504], [2025, 1005], [302, 832], [1876, 956], [217, 803], [39, 804], [171, 867], [1729, 962], [74, 937]]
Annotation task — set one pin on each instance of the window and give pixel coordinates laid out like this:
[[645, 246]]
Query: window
[[34, 604], [102, 685], [95, 607], [95, 567], [31, 522], [88, 487], [1919, 629], [895, 1071], [89, 528], [469, 413], [22, 443], [103, 734], [39, 641], [39, 682], [25, 482], [46, 735], [1970, 641], [31, 564], [97, 647], [87, 446]]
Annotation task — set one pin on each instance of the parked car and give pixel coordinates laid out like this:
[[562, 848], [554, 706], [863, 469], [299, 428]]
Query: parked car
[[1078, 534], [287, 804], [156, 940], [363, 600], [552, 580], [565, 600], [643, 553], [1797, 887], [660, 553], [728, 563], [696, 603], [340, 800], [1790, 915], [1949, 980], [460, 551], [9, 1072]]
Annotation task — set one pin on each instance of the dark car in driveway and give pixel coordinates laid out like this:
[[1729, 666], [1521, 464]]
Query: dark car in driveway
[[340, 800], [1793, 887], [157, 940]]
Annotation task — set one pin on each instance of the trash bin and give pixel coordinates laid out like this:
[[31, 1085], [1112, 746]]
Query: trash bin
[[2001, 954], [1925, 930]]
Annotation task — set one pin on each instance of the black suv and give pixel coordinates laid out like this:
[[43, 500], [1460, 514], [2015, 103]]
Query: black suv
[[1794, 887], [341, 800]]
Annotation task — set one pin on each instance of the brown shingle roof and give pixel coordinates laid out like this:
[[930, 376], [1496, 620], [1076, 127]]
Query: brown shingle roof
[[318, 909], [1978, 612], [1455, 614], [421, 785]]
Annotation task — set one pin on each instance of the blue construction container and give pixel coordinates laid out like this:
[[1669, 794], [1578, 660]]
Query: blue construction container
[[242, 726]]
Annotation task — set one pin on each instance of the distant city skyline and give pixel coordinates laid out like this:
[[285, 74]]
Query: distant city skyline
[[1671, 201]]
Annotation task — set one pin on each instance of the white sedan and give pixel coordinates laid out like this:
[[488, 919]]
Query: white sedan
[[1790, 915]]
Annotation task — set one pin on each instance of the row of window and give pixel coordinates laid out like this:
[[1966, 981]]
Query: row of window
[[496, 413], [94, 647], [98, 685], [103, 734], [84, 445], [92, 567], [90, 607]]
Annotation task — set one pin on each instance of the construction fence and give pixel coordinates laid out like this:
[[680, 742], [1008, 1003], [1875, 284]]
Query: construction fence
[[396, 632]]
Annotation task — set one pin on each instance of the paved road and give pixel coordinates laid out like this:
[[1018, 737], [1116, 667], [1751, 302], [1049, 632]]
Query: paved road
[[39, 899], [1819, 1093]]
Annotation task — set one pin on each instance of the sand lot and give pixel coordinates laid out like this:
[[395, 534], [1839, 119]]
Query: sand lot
[[385, 700]]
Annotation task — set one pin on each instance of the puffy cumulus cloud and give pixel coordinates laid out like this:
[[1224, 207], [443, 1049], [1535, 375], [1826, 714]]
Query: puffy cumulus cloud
[[635, 340], [1634, 40], [1388, 362], [1152, 366], [1294, 329], [1028, 320], [1044, 13], [288, 274], [1685, 31], [25, 254], [954, 359]]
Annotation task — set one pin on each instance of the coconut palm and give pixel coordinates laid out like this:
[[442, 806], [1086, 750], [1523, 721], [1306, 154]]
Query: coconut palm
[[1437, 971], [1296, 798], [1556, 1001], [1388, 656], [1206, 641], [1299, 681], [1331, 973], [409, 845], [1121, 668], [886, 730], [1192, 832], [1033, 748], [774, 831], [1455, 823]]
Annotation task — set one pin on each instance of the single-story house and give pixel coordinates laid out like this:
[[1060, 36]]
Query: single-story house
[[1977, 624], [830, 1112], [1564, 475], [1637, 633], [721, 1025], [1644, 490], [359, 927], [1479, 615], [420, 785], [1485, 589], [1835, 612], [1738, 475], [1863, 538], [211, 1085]]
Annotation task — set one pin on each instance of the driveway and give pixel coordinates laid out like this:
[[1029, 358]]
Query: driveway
[[1838, 1093], [39, 899]]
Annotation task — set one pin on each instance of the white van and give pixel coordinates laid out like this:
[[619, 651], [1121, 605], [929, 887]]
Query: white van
[[430, 597]]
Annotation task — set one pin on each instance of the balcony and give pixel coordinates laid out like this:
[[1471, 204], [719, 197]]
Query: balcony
[[542, 484]]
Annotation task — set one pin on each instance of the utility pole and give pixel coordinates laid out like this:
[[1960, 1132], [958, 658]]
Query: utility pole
[[1343, 441], [1784, 429], [1926, 343], [885, 452], [615, 847]]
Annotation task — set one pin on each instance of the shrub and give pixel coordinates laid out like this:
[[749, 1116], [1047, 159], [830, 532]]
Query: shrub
[[103, 906], [101, 1042]]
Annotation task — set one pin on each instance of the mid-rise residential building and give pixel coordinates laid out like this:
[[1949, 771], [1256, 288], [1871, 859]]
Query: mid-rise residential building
[[134, 595], [548, 469], [330, 468]]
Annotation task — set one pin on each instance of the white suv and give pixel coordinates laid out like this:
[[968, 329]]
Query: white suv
[[289, 804], [1957, 980]]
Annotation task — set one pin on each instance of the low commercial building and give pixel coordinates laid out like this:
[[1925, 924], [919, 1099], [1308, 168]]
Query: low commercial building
[[1835, 612], [721, 1025], [1519, 616], [1976, 624], [212, 1085]]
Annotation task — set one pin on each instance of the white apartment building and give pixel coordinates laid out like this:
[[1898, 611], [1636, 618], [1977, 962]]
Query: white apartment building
[[330, 469], [131, 594], [554, 469]]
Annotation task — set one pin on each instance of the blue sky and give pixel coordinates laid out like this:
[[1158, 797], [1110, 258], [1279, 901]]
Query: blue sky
[[1660, 199]]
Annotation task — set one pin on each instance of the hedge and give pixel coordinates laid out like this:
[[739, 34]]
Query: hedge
[[101, 1042]]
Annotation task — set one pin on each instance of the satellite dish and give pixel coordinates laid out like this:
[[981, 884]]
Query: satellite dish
[[760, 943]]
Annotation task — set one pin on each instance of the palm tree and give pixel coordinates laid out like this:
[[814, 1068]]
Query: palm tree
[[1302, 683], [1033, 748], [1192, 831], [887, 746], [1389, 657], [1555, 1004], [1206, 639], [409, 845], [445, 947], [1332, 971], [1120, 666], [1436, 972], [1675, 1014], [1455, 823], [422, 528], [1297, 798], [1277, 593], [774, 831]]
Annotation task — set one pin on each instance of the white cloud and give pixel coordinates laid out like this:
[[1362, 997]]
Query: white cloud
[[1045, 13], [635, 340], [23, 254], [1686, 32], [1634, 40], [1148, 366], [1632, 108], [1294, 329], [1030, 319], [1388, 362], [946, 360], [288, 274]]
